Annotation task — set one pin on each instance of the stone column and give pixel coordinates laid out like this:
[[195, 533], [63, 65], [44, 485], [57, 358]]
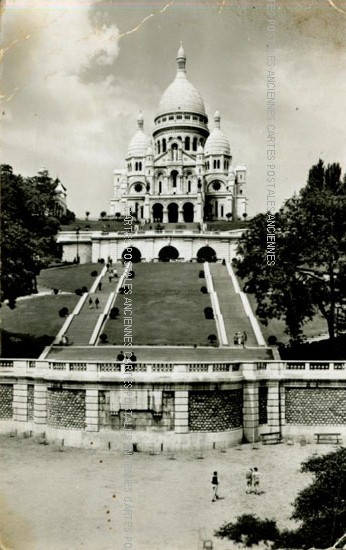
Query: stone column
[[91, 410], [250, 411], [181, 412], [273, 407], [165, 216], [180, 216], [20, 402], [40, 403]]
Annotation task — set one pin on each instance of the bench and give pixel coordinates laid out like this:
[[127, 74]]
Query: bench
[[271, 437], [328, 438]]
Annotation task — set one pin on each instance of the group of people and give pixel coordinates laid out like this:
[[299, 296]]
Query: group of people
[[132, 358], [252, 483], [240, 338]]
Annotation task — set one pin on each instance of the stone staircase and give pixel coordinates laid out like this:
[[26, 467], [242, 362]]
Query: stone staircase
[[83, 324], [234, 316]]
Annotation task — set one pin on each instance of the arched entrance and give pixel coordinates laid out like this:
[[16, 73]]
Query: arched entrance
[[157, 212], [206, 254], [173, 212], [168, 253], [134, 252], [188, 212]]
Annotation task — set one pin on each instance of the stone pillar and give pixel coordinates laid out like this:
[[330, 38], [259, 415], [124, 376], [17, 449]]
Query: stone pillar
[[40, 403], [181, 412], [20, 402], [165, 216], [91, 410], [250, 411], [180, 216], [273, 407]]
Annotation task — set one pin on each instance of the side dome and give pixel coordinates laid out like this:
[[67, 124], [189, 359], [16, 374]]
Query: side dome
[[217, 142], [181, 95], [140, 142]]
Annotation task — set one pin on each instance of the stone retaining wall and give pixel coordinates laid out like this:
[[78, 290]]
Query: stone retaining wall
[[6, 401], [215, 411], [316, 406], [66, 409]]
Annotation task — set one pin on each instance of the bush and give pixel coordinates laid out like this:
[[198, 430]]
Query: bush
[[131, 275], [121, 290], [249, 529], [201, 274], [79, 292], [204, 290], [114, 312], [212, 339], [272, 340], [208, 312], [63, 312], [103, 338], [93, 273], [55, 291], [101, 261]]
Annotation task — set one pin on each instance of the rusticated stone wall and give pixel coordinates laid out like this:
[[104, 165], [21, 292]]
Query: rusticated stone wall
[[6, 401], [66, 409], [311, 406], [215, 411]]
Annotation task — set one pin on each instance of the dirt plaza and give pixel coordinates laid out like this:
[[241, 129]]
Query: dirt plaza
[[55, 498]]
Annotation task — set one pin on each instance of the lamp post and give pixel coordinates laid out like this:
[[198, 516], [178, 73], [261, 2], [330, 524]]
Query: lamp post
[[77, 243]]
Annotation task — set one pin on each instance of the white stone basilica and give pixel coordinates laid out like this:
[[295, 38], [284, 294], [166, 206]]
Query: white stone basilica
[[183, 173]]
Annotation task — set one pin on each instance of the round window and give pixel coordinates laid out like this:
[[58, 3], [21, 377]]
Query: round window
[[138, 187], [216, 185]]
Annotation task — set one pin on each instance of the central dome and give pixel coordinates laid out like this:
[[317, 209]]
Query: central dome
[[181, 95]]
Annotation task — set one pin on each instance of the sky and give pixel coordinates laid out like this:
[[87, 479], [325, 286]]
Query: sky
[[75, 74]]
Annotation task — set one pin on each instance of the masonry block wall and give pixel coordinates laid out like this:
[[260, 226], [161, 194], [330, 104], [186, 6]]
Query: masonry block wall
[[215, 411], [66, 408], [6, 401], [317, 406]]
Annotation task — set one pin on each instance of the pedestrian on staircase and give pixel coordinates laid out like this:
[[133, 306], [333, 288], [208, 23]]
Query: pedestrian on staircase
[[99, 286], [91, 303], [97, 303]]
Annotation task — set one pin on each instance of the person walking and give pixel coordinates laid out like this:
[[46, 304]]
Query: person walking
[[97, 303], [215, 485], [256, 480], [248, 476], [91, 303], [244, 338], [99, 286]]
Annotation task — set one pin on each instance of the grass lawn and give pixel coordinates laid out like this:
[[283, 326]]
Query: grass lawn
[[68, 278], [167, 306], [33, 324], [276, 327], [94, 225], [227, 226]]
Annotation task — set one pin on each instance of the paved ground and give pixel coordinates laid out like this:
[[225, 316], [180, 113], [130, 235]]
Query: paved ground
[[160, 354], [52, 500]]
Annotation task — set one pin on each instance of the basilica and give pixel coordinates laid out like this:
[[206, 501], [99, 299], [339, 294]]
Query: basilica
[[183, 173]]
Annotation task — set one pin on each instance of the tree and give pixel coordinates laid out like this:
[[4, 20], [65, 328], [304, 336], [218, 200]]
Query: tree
[[320, 510], [294, 260], [103, 214], [28, 230], [87, 214], [229, 216], [321, 507]]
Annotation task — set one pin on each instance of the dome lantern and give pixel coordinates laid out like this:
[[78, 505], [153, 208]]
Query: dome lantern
[[217, 119], [181, 59]]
